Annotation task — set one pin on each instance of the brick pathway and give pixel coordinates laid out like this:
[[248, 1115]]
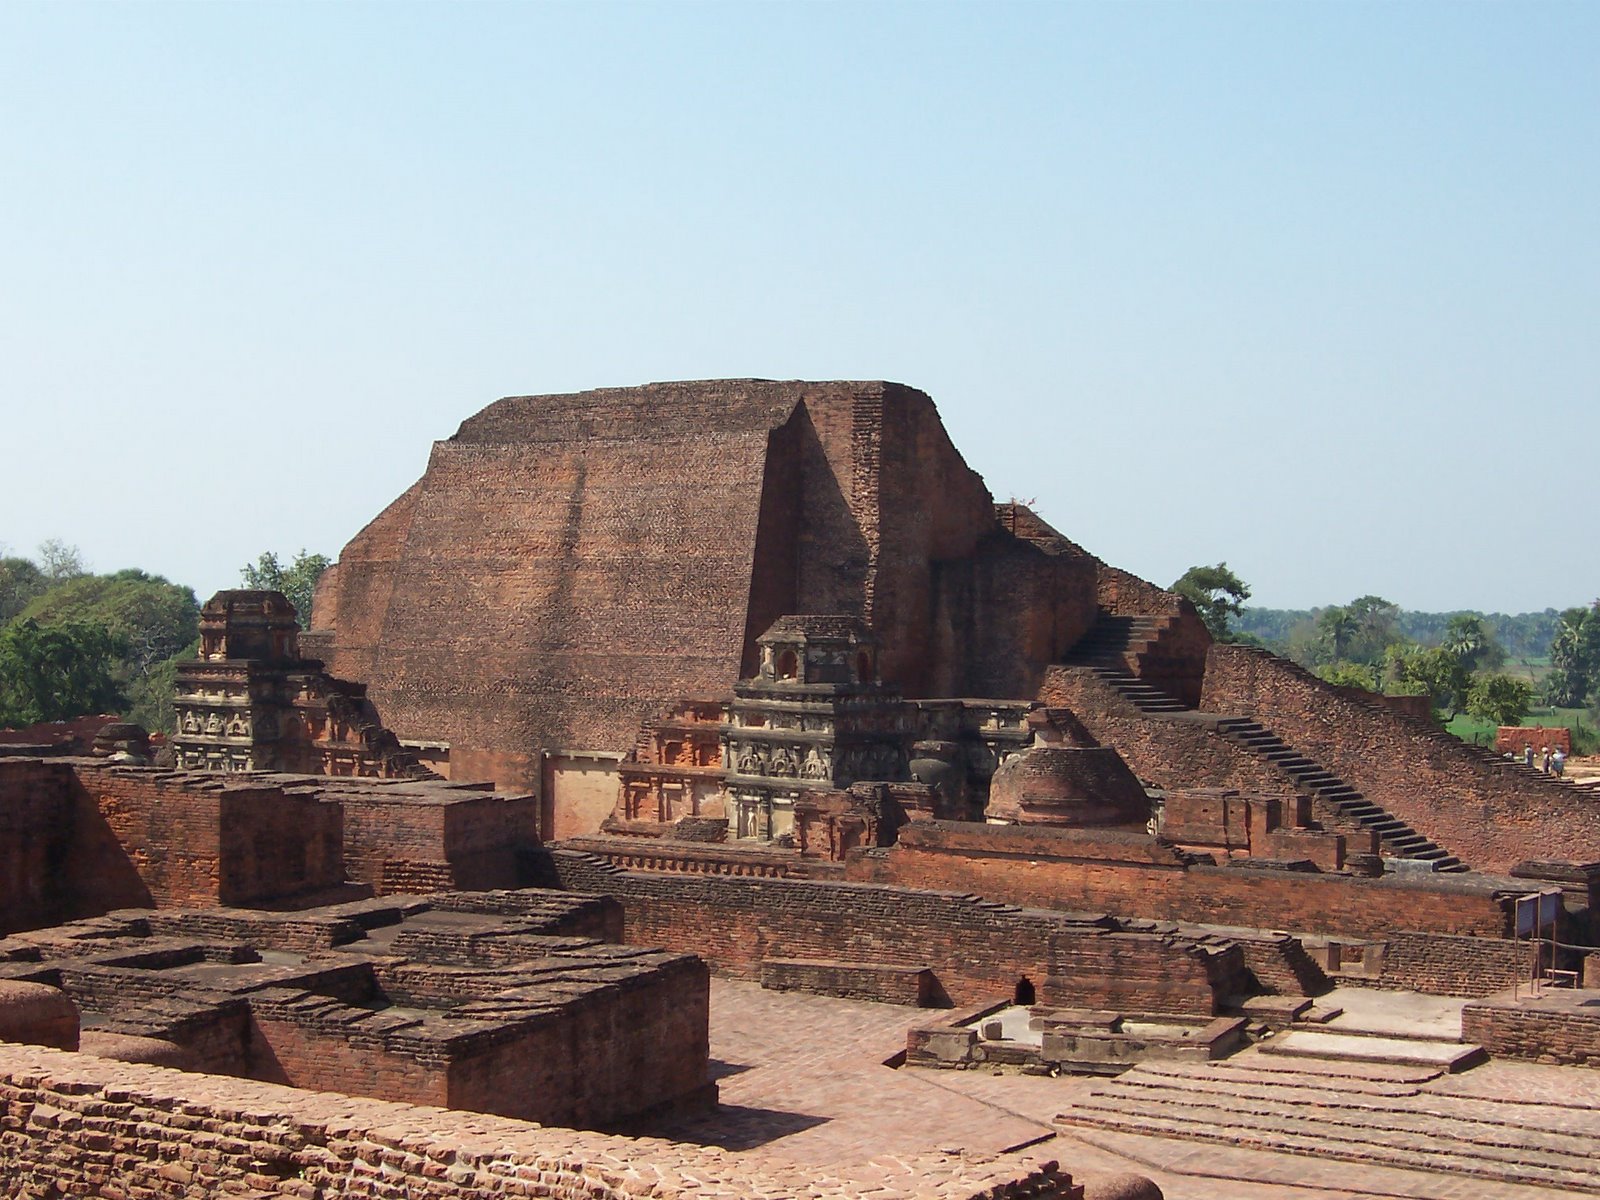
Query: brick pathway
[[803, 1083], [802, 1079]]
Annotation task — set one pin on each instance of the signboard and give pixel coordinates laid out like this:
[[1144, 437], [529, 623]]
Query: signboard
[[1536, 911]]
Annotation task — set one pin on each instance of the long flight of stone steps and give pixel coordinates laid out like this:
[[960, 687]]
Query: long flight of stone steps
[[1396, 838], [1368, 1113]]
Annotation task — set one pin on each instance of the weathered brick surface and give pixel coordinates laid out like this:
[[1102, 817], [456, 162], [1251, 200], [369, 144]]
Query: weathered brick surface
[[1561, 1026], [552, 582], [81, 837], [1170, 750], [1453, 966], [1487, 811], [976, 948], [36, 799], [1136, 876], [76, 1125], [854, 981]]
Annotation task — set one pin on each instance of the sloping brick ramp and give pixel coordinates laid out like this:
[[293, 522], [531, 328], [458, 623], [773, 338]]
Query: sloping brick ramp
[[1377, 1117]]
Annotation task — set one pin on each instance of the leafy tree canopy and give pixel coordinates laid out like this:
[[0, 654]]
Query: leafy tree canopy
[[1468, 636], [297, 581], [1349, 674], [1575, 658], [152, 618], [1499, 699], [1217, 593], [57, 672], [20, 581], [1428, 669]]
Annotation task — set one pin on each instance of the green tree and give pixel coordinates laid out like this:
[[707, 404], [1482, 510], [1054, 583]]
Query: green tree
[[1468, 636], [1499, 699], [1377, 627], [152, 617], [1338, 628], [150, 695], [56, 673], [1217, 593], [59, 561], [20, 581], [297, 581], [1575, 658], [1430, 670], [1349, 674]]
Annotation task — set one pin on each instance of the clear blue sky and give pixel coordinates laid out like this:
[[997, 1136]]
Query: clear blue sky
[[1309, 288]]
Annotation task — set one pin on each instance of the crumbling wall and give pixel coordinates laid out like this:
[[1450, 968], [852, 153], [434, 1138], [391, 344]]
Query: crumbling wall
[[75, 1124], [35, 835], [1169, 750], [976, 949], [1101, 871]]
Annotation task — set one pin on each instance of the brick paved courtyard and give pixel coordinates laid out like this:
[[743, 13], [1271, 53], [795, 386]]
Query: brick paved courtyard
[[803, 1082]]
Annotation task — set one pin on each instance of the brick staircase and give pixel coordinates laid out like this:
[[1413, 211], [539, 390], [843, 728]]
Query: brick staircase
[[1395, 837], [1111, 647], [1375, 1115]]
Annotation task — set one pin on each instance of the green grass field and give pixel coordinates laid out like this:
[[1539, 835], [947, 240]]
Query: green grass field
[[1585, 738]]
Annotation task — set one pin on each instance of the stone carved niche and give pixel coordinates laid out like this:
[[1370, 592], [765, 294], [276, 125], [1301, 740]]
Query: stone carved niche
[[250, 685]]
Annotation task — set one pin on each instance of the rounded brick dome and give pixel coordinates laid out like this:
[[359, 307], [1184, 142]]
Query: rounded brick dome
[[1067, 785]]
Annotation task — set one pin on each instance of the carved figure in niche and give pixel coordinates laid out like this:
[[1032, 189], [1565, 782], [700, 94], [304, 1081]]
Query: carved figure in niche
[[815, 766], [766, 661], [214, 724], [783, 763], [267, 725], [191, 723], [238, 726], [749, 764]]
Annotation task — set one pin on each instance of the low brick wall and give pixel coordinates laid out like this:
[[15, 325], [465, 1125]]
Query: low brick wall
[[1561, 1026], [1452, 966], [913, 986], [77, 1125], [35, 811], [1131, 875], [976, 947]]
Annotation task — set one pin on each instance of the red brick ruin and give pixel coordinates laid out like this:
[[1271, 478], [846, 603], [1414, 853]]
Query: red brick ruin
[[739, 674]]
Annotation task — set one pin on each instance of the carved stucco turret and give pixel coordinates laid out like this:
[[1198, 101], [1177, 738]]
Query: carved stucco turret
[[815, 718]]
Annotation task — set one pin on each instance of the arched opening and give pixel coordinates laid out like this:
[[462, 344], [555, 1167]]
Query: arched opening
[[788, 665], [1024, 994]]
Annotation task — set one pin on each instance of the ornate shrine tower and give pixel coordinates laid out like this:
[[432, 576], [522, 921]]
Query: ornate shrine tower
[[814, 719]]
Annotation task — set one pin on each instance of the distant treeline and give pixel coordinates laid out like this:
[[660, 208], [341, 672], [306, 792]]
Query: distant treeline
[[1525, 635]]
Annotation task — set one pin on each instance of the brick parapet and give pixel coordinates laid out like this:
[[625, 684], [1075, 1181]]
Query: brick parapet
[[975, 947], [77, 1124], [1136, 876]]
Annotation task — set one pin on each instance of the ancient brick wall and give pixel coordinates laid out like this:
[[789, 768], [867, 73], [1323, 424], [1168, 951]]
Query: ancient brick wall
[[396, 840], [1441, 965], [552, 582], [143, 837], [977, 949], [609, 1048], [1553, 1029], [1004, 614], [78, 1125], [274, 842], [1490, 813], [35, 827], [1132, 876], [1170, 750], [1514, 739]]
